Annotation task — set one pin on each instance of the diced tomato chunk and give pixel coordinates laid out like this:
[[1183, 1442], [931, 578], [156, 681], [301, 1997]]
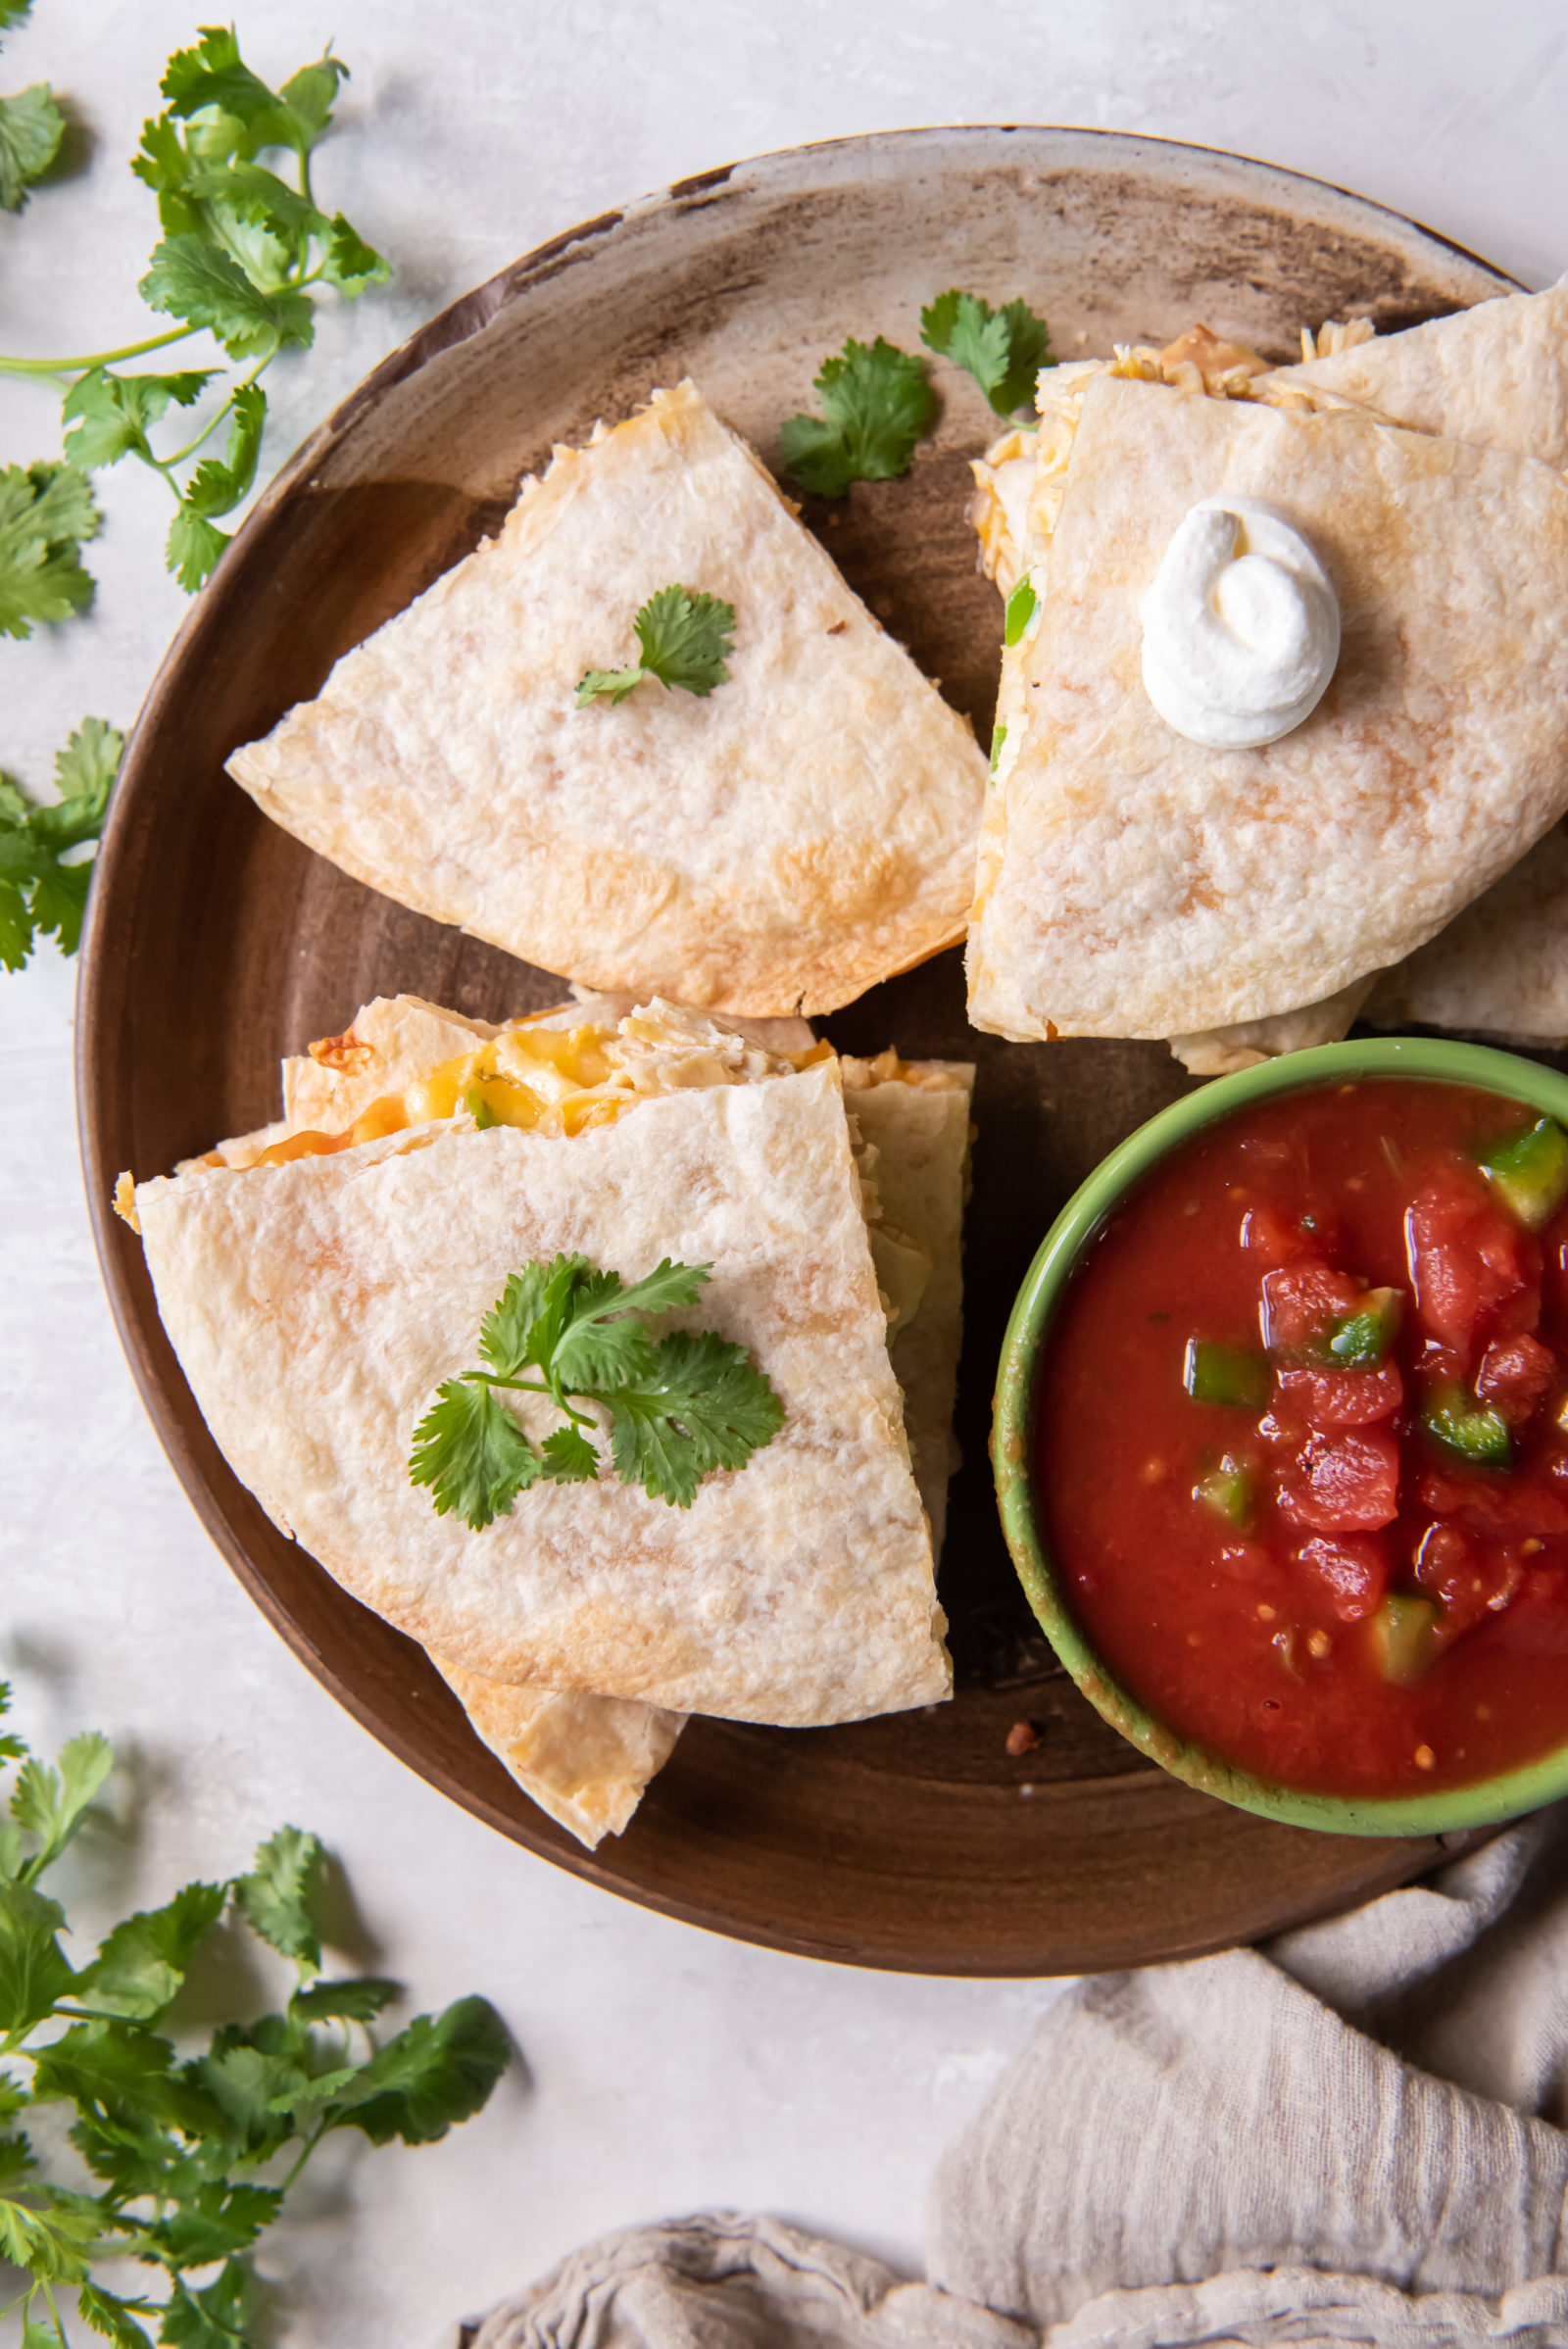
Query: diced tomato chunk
[[1469, 1578], [1341, 1399], [1481, 1500], [1468, 1259], [1353, 1567], [1514, 1376], [1347, 1482], [1278, 1238], [1303, 1302]]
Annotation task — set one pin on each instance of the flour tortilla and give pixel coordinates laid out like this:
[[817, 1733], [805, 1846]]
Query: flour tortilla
[[1499, 968], [584, 1760], [1132, 883], [316, 1305], [777, 847], [1496, 375], [922, 1137]]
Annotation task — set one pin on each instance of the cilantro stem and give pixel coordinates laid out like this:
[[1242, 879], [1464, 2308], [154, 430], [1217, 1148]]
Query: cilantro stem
[[98, 358], [493, 1377], [54, 2311], [304, 2155], [190, 449]]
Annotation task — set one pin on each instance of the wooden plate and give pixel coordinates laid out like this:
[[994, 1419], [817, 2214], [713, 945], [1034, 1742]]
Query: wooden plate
[[217, 943]]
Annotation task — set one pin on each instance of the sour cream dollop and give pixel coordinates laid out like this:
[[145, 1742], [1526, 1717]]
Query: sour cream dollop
[[1240, 627]]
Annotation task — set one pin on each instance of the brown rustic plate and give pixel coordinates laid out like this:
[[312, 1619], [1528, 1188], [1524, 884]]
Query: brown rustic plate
[[217, 943]]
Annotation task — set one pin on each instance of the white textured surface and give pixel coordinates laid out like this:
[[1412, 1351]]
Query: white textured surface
[[665, 2069]]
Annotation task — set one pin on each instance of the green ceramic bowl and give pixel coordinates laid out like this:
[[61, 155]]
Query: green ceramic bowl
[[1011, 1440]]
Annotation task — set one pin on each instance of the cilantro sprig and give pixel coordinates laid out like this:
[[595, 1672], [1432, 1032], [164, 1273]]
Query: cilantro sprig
[[1004, 349], [242, 251], [876, 404], [679, 1406], [41, 894], [685, 638], [31, 126], [190, 2155]]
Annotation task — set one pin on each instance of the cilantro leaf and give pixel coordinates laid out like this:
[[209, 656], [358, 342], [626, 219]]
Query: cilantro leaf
[[31, 126], [685, 636], [472, 1453], [212, 2318], [52, 1803], [876, 404], [193, 547], [102, 2066], [438, 2071], [1004, 349], [114, 2318], [276, 1895], [197, 282], [595, 1353], [349, 262], [110, 415], [33, 1973], [355, 2002], [213, 2222], [38, 893], [537, 1294], [569, 1458], [54, 2242], [141, 1965], [216, 488], [46, 515], [707, 1406]]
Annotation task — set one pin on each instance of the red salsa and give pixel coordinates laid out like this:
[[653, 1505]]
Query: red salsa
[[1303, 1429]]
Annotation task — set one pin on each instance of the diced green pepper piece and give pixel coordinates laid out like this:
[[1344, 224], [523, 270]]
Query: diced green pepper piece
[[1228, 1490], [1362, 1339], [480, 1109], [1404, 1639], [1226, 1374], [1531, 1171], [996, 741], [1020, 610], [1471, 1430]]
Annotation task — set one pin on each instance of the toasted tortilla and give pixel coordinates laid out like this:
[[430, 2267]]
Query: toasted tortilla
[[1133, 883], [584, 1760], [316, 1307], [777, 847]]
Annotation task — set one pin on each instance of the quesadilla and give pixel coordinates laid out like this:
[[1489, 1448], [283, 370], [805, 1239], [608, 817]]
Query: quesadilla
[[775, 845], [1132, 882], [1493, 377], [330, 1261]]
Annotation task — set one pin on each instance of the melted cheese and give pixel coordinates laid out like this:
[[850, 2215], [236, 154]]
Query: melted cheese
[[546, 1080]]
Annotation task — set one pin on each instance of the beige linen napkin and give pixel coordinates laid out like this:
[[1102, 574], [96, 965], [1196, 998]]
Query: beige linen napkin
[[1351, 2134]]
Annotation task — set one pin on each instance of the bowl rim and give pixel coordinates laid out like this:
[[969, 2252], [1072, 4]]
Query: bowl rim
[[1504, 1795]]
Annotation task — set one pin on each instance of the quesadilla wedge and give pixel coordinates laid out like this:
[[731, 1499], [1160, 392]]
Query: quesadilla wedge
[[1493, 377], [746, 1604], [1134, 881], [775, 845]]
